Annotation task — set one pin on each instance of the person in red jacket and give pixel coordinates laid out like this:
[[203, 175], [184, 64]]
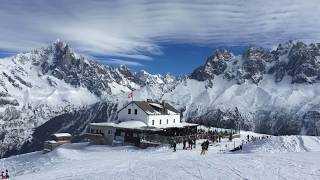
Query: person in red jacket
[[7, 174]]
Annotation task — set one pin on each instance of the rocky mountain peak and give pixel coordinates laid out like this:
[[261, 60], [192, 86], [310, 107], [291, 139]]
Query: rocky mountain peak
[[215, 65]]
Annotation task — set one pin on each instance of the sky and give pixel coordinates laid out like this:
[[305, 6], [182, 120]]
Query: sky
[[159, 36]]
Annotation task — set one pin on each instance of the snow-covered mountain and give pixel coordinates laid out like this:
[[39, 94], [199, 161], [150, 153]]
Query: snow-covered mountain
[[53, 89]]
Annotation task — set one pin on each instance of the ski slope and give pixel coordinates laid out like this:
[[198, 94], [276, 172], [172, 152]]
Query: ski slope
[[287, 160], [280, 144]]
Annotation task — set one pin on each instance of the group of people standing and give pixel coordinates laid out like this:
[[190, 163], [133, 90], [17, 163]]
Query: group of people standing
[[5, 175], [191, 144]]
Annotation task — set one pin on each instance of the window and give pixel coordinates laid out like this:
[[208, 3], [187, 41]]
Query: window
[[109, 131], [129, 111], [152, 122], [160, 121], [174, 120], [167, 121], [135, 111]]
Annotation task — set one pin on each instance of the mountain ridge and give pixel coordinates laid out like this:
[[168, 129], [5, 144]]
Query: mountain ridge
[[272, 92]]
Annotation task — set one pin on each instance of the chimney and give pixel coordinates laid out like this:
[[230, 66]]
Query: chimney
[[164, 106]]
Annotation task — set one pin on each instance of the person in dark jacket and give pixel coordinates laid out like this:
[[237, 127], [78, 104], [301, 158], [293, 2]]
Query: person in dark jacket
[[203, 148], [207, 144], [184, 142], [174, 146], [2, 175], [190, 143]]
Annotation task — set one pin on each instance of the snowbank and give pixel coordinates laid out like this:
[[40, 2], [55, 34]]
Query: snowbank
[[277, 144]]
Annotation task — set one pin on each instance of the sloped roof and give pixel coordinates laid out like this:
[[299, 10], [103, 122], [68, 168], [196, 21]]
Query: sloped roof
[[151, 107]]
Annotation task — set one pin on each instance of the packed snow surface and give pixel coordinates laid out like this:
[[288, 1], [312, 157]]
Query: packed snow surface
[[81, 161], [285, 144]]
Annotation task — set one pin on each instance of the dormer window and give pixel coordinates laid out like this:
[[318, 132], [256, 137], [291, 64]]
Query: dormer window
[[129, 111]]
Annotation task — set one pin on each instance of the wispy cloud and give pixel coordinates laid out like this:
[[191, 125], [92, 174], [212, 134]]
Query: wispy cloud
[[121, 62], [135, 29]]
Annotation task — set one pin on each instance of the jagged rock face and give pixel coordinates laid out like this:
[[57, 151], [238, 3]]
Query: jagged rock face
[[304, 63], [77, 71], [230, 119], [299, 60], [254, 65], [215, 65], [311, 123]]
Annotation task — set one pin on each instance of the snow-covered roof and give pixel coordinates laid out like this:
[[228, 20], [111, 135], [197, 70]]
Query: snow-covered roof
[[131, 124], [126, 124], [51, 141], [62, 135], [156, 105], [103, 124], [177, 125]]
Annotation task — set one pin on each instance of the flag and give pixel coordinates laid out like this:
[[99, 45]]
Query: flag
[[130, 95]]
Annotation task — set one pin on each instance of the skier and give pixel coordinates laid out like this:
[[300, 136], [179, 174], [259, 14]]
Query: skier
[[184, 144], [194, 142], [174, 146], [203, 148], [7, 174], [207, 144], [248, 138], [190, 143], [2, 175], [219, 138]]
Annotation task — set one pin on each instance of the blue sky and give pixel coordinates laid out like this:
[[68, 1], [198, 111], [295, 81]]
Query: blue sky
[[177, 59], [158, 36]]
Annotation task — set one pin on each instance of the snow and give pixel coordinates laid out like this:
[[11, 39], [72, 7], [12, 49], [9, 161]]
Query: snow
[[156, 105], [285, 144], [132, 124], [81, 161], [126, 124], [52, 141], [62, 135], [103, 124]]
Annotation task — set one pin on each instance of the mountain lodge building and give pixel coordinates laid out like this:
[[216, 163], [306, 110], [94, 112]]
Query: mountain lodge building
[[143, 123]]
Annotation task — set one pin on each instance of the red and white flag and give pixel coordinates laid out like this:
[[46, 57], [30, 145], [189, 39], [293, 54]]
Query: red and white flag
[[130, 95]]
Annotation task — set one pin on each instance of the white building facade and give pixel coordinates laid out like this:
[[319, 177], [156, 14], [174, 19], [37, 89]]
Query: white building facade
[[152, 113]]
